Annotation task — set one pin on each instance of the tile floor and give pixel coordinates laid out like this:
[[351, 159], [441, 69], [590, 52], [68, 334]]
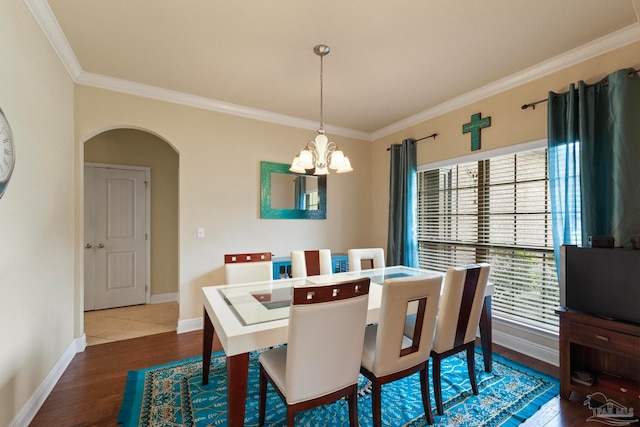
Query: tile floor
[[122, 323]]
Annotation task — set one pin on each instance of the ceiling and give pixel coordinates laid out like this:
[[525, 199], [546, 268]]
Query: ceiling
[[389, 61]]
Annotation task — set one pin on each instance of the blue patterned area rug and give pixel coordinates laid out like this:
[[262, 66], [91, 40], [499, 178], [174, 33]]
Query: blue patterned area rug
[[173, 395]]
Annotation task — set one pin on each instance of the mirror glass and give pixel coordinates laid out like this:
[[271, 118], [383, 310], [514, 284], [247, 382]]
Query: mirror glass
[[294, 191], [287, 195]]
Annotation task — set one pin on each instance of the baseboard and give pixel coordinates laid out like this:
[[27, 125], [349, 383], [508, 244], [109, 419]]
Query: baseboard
[[160, 298], [189, 325], [524, 346], [31, 408], [81, 343]]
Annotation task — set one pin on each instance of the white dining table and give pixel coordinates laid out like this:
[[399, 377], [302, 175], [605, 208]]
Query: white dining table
[[252, 316]]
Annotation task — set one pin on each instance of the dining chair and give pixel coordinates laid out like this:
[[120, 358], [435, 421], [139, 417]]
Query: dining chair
[[321, 360], [244, 268], [388, 355], [457, 322], [311, 263], [364, 259]]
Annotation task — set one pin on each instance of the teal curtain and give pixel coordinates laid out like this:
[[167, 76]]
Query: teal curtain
[[402, 242], [300, 188], [564, 170], [594, 159]]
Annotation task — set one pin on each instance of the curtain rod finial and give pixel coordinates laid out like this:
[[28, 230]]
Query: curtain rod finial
[[533, 104]]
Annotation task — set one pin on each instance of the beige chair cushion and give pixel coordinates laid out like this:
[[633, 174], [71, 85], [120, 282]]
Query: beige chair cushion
[[299, 263], [383, 342], [323, 351], [450, 306], [376, 255]]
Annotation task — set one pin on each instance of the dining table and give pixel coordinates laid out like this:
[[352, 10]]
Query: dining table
[[253, 316]]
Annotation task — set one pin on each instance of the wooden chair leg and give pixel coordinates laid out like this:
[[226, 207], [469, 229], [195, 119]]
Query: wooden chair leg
[[424, 387], [471, 368], [291, 417], [353, 406], [437, 385], [376, 402], [263, 397]]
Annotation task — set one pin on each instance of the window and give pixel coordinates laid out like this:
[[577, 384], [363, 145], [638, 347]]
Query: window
[[495, 210], [312, 200]]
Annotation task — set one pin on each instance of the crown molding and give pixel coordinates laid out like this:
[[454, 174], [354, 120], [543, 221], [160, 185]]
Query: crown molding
[[587, 51], [160, 94], [49, 25]]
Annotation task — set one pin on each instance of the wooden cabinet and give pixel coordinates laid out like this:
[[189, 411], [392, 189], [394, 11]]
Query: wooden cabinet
[[606, 349]]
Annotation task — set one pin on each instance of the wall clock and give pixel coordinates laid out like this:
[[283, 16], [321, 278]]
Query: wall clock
[[7, 153]]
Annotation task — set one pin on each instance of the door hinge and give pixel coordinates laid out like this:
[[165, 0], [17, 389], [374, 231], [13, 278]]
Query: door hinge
[[146, 184], [146, 236]]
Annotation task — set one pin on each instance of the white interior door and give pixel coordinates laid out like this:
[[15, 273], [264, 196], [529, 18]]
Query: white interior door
[[115, 237]]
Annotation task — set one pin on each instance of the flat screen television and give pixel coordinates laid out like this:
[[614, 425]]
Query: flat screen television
[[604, 282]]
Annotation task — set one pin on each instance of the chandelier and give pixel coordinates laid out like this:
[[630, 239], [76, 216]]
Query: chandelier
[[321, 154]]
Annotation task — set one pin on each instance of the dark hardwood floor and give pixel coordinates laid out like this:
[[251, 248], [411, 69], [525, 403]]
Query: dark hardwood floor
[[90, 391]]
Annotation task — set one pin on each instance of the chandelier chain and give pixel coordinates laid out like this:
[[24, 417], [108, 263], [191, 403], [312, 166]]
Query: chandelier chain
[[321, 94]]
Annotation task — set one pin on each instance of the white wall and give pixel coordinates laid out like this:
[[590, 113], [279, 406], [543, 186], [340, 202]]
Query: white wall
[[219, 190], [36, 213]]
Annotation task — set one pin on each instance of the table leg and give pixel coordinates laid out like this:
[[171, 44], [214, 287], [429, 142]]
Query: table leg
[[207, 343], [485, 334], [237, 376]]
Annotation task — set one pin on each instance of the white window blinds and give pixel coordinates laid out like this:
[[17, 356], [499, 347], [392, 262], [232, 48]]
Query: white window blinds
[[496, 211]]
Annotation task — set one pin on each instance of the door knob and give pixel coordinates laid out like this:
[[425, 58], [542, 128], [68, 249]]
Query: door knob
[[100, 245], [88, 246]]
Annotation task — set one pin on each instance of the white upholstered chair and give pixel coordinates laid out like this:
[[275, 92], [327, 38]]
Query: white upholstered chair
[[366, 258], [321, 360], [458, 318], [244, 268], [388, 354], [311, 263]]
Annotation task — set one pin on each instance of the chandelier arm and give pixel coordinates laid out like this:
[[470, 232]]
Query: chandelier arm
[[330, 150], [313, 148]]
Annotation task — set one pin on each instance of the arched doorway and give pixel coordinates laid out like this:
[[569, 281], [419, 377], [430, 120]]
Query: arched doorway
[[131, 149]]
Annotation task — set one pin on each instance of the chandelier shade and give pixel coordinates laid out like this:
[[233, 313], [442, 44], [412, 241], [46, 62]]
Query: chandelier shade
[[320, 154]]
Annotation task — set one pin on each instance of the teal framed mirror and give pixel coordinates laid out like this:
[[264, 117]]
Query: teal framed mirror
[[288, 195]]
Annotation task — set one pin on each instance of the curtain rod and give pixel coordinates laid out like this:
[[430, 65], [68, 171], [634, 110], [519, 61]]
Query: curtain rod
[[433, 135], [533, 104]]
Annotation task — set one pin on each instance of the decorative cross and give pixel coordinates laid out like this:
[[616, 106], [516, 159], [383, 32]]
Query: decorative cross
[[474, 127]]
